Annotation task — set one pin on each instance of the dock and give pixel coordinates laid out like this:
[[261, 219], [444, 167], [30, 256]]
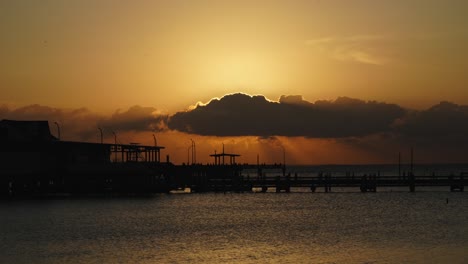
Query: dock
[[33, 163]]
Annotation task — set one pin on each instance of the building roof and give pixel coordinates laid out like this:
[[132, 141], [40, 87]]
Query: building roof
[[13, 130], [225, 155]]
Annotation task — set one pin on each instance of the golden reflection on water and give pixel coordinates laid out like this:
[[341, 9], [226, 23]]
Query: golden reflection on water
[[385, 227]]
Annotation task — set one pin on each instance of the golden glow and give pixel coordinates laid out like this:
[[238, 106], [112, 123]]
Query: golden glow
[[107, 55], [298, 150], [238, 71], [169, 54]]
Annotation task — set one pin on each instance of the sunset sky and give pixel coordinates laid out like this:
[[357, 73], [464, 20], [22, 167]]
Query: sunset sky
[[124, 65]]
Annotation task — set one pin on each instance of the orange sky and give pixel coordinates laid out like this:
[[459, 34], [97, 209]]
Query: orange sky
[[107, 55]]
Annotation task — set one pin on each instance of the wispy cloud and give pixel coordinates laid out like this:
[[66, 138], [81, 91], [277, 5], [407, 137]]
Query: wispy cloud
[[357, 48]]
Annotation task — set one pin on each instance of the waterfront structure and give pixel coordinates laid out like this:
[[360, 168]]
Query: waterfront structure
[[35, 163], [32, 161]]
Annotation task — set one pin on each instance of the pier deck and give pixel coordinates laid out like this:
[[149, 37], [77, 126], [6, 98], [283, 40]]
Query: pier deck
[[364, 183]]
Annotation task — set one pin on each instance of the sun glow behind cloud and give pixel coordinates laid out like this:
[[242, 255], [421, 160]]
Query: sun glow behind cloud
[[107, 55], [172, 53], [237, 70], [240, 69], [425, 130]]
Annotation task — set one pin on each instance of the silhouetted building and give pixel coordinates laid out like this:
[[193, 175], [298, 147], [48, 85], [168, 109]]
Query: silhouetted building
[[34, 161], [12, 130], [29, 147]]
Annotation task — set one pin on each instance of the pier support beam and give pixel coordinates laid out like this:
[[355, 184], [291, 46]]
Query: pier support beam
[[412, 184], [369, 183], [456, 185]]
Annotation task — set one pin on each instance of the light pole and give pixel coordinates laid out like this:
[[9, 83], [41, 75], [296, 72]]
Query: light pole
[[284, 160], [194, 152], [223, 153], [100, 131], [115, 138], [155, 141], [58, 129], [188, 154]]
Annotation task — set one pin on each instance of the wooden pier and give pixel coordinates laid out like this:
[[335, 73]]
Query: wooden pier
[[34, 163], [150, 177], [321, 182]]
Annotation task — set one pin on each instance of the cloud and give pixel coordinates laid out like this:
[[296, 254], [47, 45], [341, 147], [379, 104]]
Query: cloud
[[82, 124], [357, 55], [136, 118], [444, 120], [244, 115], [75, 124], [437, 134], [373, 130], [342, 130], [270, 140], [364, 49]]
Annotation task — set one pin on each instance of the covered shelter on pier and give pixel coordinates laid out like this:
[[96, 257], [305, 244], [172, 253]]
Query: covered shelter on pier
[[134, 152], [220, 158]]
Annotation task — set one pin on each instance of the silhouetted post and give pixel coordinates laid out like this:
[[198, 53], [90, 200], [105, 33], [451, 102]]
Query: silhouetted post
[[411, 176], [462, 183], [100, 131], [399, 164], [155, 154], [278, 184], [364, 183], [193, 151], [259, 170], [188, 155], [58, 130], [326, 182], [412, 160], [115, 138], [284, 160], [115, 147], [288, 183], [451, 182]]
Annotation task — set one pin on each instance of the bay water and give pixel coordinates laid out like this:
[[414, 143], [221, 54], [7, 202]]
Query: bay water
[[344, 226]]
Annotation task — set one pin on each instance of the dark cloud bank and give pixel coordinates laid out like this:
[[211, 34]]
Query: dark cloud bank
[[439, 133], [244, 115]]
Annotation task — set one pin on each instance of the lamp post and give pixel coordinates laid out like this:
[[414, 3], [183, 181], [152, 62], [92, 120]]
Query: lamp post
[[115, 137], [188, 154], [100, 131], [284, 160], [58, 129], [194, 152], [155, 141]]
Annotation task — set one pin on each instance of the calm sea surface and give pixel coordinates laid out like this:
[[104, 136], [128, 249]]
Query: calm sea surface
[[383, 227], [345, 226]]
